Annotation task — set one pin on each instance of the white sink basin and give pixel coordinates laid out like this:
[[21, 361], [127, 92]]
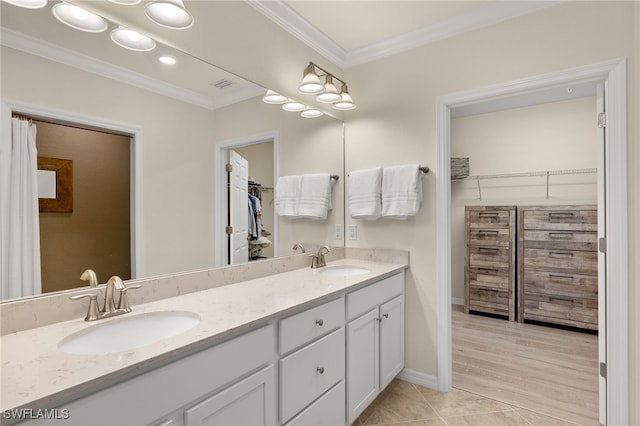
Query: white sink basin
[[128, 332], [344, 270]]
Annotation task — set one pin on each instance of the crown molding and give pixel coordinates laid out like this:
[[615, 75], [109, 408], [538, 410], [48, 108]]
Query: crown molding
[[291, 21], [46, 50], [491, 14]]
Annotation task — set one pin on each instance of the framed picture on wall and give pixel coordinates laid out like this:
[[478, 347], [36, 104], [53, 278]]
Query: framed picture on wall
[[55, 185]]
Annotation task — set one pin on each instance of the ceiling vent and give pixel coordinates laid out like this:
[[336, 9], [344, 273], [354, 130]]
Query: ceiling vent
[[222, 83]]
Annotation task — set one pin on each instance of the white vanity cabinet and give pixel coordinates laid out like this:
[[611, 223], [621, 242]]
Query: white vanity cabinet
[[375, 341], [312, 367]]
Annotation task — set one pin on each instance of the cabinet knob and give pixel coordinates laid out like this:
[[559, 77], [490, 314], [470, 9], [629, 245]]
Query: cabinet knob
[[320, 370], [320, 322]]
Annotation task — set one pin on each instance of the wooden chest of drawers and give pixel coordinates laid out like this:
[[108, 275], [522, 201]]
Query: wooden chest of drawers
[[490, 268], [558, 265]]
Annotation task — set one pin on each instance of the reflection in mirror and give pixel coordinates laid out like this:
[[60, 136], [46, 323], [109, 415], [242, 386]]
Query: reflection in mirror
[[169, 119]]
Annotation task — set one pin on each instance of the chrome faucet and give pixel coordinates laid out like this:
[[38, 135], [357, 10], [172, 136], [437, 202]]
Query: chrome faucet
[[297, 246], [317, 259], [109, 308]]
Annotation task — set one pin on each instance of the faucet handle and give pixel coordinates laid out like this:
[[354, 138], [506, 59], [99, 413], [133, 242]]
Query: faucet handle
[[314, 260], [123, 302], [92, 312]]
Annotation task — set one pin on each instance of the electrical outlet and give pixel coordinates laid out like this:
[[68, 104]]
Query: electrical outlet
[[337, 231], [353, 232]]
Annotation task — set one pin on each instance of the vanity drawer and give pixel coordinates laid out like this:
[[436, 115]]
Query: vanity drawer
[[564, 261], [490, 217], [489, 236], [328, 410], [561, 239], [309, 372], [363, 300], [569, 219], [306, 326], [489, 300]]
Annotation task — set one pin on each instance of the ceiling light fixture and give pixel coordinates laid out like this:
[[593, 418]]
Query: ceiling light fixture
[[29, 4], [167, 60], [327, 92], [132, 40], [126, 2], [274, 98], [79, 18], [169, 13]]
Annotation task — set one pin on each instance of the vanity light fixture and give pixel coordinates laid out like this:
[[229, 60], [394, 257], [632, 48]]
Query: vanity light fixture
[[274, 98], [169, 13], [293, 106], [327, 92], [28, 4], [126, 2], [132, 40], [79, 18], [167, 60], [311, 113]]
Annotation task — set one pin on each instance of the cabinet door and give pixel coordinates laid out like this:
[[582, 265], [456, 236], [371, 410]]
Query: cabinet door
[[363, 363], [391, 340], [249, 402]]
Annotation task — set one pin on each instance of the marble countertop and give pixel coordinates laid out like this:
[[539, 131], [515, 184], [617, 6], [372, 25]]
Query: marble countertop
[[35, 374]]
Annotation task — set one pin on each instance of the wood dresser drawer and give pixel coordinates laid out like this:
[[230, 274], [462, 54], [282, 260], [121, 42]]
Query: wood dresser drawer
[[309, 372], [487, 256], [574, 312], [488, 300], [493, 278], [486, 236], [491, 217], [564, 261], [582, 218], [302, 328], [561, 284], [561, 239]]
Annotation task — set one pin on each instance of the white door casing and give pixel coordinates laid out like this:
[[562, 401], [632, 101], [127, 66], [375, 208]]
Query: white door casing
[[602, 263], [238, 208]]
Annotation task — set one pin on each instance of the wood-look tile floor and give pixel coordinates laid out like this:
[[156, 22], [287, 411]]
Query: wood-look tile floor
[[504, 373]]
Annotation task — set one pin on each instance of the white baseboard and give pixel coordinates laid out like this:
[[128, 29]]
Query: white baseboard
[[418, 378], [457, 301]]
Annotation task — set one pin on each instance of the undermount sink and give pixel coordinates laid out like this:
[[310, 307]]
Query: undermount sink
[[344, 270], [128, 332]]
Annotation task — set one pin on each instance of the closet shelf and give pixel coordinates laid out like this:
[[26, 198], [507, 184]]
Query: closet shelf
[[546, 173]]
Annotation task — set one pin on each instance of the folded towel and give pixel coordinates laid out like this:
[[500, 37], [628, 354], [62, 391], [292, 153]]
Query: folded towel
[[401, 191], [364, 193], [286, 195], [315, 196]]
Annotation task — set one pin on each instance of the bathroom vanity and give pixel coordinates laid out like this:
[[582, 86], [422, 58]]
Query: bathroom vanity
[[296, 347]]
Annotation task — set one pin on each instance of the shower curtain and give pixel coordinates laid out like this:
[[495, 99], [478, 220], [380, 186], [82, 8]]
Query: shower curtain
[[19, 217]]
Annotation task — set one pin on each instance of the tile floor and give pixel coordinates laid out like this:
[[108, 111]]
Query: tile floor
[[405, 404]]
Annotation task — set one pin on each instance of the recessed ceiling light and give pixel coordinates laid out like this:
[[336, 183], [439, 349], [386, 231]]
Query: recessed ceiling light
[[79, 18], [133, 40], [168, 60], [29, 4], [169, 13]]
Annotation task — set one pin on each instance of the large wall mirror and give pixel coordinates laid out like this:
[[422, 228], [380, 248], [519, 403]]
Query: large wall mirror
[[178, 124]]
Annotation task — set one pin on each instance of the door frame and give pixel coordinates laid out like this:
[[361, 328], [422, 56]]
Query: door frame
[[219, 193], [613, 74], [136, 215]]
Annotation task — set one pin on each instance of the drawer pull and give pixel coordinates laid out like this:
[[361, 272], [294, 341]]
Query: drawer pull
[[489, 290], [489, 214], [320, 322], [494, 270], [488, 248], [561, 235], [560, 299], [561, 215], [488, 231], [561, 277], [320, 370], [561, 253]]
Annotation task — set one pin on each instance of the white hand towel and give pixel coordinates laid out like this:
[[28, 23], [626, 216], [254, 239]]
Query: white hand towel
[[364, 193], [315, 196], [401, 191], [287, 195]]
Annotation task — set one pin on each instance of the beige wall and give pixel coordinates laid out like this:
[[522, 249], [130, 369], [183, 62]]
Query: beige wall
[[395, 124], [552, 136], [177, 152]]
